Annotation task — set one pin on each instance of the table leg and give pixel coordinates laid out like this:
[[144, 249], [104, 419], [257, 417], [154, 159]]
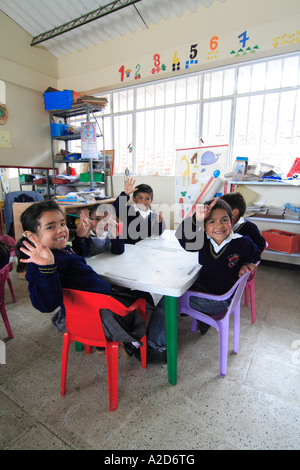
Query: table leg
[[171, 335]]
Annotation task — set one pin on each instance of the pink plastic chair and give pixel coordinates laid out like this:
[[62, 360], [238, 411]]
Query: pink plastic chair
[[250, 288], [84, 326], [4, 273], [10, 242], [219, 321]]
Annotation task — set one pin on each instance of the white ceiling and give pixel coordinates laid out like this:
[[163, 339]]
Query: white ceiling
[[38, 16]]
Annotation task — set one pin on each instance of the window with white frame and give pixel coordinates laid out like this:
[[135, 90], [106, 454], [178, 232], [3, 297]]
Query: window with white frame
[[254, 107]]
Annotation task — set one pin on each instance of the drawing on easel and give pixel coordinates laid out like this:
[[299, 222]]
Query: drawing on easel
[[197, 175]]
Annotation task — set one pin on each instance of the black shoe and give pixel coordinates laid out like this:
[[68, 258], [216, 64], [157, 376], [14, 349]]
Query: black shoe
[[203, 327], [100, 350], [153, 356], [127, 349]]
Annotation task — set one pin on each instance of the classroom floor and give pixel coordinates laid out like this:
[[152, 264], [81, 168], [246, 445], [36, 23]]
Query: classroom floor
[[256, 406]]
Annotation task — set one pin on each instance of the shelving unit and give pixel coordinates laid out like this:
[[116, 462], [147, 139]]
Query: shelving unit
[[85, 110], [275, 193]]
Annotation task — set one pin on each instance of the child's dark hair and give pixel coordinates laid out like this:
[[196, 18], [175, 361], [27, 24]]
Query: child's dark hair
[[93, 208], [236, 201], [21, 267], [143, 188], [30, 218], [221, 204]]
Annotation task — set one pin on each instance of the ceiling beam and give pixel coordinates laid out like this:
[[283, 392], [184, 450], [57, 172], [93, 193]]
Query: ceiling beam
[[82, 20]]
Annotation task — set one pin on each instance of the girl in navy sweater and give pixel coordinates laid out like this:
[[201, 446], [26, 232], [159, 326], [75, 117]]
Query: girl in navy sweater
[[224, 255]]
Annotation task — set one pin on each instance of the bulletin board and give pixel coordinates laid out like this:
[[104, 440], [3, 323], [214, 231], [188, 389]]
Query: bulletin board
[[196, 170]]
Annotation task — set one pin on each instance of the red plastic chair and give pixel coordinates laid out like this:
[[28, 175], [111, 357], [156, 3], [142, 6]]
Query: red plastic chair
[[4, 274], [219, 321], [84, 326], [250, 288]]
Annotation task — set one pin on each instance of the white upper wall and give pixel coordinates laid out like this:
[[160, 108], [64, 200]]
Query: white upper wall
[[97, 68], [21, 64]]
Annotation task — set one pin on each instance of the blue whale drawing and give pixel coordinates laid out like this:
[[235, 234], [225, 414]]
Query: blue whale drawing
[[208, 158]]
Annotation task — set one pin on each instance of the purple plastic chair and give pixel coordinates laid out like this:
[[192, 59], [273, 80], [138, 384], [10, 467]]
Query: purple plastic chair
[[250, 287], [219, 321], [4, 273]]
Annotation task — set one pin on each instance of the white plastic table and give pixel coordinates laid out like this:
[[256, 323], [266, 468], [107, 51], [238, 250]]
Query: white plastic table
[[159, 266]]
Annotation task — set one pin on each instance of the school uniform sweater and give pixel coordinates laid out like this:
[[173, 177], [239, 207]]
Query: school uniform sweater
[[94, 245], [245, 227], [46, 283], [219, 271], [136, 227]]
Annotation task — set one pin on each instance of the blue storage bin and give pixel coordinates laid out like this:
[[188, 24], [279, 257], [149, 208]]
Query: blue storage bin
[[58, 100], [58, 129]]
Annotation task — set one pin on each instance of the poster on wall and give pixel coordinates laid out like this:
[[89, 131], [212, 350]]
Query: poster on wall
[[198, 173], [89, 140]]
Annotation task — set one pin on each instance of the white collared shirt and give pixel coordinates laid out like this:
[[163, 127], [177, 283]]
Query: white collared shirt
[[238, 223], [230, 237], [144, 214]]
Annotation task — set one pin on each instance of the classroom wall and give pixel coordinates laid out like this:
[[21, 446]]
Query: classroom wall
[[27, 71]]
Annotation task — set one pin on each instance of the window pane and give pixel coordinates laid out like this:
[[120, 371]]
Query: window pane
[[258, 77], [193, 88], [160, 94], [123, 138], [170, 92], [216, 122], [244, 79], [181, 90], [274, 70], [262, 124], [150, 94], [290, 71], [140, 97]]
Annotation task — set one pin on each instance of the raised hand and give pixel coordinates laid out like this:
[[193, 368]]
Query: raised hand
[[84, 226], [129, 186], [203, 210], [38, 254]]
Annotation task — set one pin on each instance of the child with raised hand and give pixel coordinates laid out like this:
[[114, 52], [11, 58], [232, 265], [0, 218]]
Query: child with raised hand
[[239, 224], [52, 265], [139, 220], [98, 230], [224, 255]]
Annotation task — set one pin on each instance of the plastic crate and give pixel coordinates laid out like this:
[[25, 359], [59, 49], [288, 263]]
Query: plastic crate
[[97, 177], [278, 240], [26, 178], [57, 129]]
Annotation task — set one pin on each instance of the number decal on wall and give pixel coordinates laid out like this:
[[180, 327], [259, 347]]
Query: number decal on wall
[[213, 45]]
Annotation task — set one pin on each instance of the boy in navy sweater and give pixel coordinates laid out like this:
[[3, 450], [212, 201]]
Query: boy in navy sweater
[[239, 224], [52, 265], [139, 220], [224, 255]]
